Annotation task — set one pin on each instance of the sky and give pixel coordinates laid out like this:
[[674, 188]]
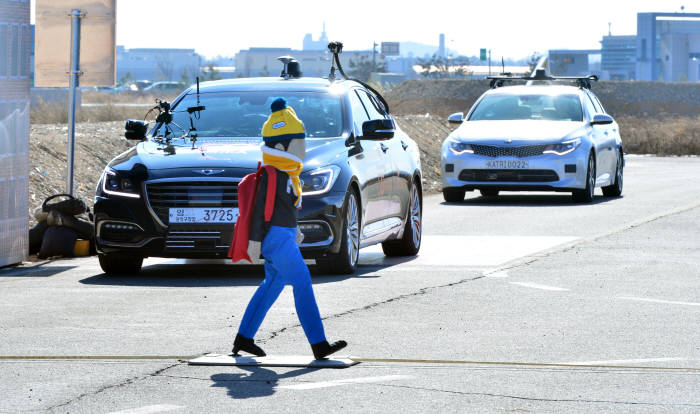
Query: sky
[[513, 29]]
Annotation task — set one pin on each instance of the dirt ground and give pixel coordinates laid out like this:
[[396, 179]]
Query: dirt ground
[[96, 143]]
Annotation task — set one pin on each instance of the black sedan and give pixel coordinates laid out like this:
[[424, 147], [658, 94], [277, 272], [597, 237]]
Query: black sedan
[[175, 193]]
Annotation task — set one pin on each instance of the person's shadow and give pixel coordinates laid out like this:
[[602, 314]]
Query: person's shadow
[[261, 382]]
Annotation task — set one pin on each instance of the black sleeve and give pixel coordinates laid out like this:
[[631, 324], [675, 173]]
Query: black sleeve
[[257, 222]]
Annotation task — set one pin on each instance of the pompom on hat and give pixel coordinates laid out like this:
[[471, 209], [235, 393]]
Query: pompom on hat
[[283, 124]]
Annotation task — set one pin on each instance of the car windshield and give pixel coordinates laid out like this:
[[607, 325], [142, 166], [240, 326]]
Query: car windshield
[[242, 114], [523, 107]]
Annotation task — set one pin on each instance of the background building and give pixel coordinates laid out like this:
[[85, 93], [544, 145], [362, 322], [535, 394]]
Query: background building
[[570, 62], [157, 64], [15, 44], [619, 57], [668, 46], [262, 61]]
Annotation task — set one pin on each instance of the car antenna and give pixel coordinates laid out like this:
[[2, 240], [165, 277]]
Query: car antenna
[[195, 111]]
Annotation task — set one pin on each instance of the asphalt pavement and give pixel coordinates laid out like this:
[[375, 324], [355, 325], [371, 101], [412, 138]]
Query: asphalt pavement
[[524, 302]]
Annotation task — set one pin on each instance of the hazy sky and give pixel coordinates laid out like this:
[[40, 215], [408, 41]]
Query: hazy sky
[[509, 28]]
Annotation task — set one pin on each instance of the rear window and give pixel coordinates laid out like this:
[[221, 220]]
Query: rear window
[[528, 107], [242, 114]]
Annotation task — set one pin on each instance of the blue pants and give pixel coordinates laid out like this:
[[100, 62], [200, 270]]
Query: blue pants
[[284, 266]]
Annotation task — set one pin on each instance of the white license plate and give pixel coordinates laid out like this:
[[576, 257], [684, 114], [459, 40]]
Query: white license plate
[[203, 215], [508, 164]]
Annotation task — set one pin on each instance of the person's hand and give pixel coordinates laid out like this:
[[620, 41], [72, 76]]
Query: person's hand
[[254, 250], [300, 236]]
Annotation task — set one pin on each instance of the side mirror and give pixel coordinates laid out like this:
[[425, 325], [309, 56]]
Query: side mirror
[[135, 130], [456, 118], [601, 119], [378, 129]]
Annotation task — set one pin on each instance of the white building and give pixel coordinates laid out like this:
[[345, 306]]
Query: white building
[[157, 64]]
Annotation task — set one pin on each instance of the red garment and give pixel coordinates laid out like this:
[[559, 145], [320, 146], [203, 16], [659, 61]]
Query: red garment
[[247, 190]]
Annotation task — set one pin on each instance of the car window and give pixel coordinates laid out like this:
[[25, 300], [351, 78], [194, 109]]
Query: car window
[[370, 105], [528, 107], [242, 114], [359, 114], [588, 104], [597, 101]]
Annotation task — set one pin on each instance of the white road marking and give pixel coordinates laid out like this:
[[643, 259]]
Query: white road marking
[[149, 409], [498, 275], [476, 251], [624, 361], [538, 286], [335, 383], [668, 302]]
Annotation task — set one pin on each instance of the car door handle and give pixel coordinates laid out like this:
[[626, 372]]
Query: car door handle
[[383, 147], [404, 145]]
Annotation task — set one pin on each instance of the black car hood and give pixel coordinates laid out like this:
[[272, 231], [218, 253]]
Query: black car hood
[[239, 154]]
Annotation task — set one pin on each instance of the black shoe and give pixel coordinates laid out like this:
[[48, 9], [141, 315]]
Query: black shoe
[[323, 349], [241, 343]]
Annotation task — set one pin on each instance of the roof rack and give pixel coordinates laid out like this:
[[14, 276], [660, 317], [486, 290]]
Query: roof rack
[[583, 82]]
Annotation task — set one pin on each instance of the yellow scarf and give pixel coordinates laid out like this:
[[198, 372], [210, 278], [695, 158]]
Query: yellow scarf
[[288, 163]]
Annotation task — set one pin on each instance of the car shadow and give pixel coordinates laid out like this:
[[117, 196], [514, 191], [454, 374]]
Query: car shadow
[[209, 275], [34, 271], [529, 200], [261, 382]]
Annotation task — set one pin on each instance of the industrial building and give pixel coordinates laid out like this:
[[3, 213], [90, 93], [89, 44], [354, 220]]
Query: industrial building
[[157, 64], [619, 57], [15, 45], [668, 46]]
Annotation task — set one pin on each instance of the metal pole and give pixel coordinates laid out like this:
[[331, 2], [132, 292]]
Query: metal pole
[[74, 74]]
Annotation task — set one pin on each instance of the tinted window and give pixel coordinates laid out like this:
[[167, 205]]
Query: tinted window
[[370, 105], [242, 114], [359, 115], [528, 107]]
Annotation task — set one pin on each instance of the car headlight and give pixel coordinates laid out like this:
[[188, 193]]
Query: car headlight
[[114, 185], [320, 180], [562, 148], [459, 148]]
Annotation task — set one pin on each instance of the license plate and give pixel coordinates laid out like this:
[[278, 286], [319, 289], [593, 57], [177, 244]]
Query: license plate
[[508, 164], [203, 215]]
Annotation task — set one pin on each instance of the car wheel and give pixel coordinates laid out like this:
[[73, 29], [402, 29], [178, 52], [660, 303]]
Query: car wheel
[[586, 195], [453, 195], [113, 264], [345, 261], [409, 244], [615, 190], [489, 192]]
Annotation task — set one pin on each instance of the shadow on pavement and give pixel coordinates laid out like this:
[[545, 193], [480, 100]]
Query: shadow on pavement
[[261, 382], [34, 271], [188, 275], [520, 200]]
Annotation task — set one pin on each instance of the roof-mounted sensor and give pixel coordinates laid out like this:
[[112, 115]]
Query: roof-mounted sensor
[[583, 82]]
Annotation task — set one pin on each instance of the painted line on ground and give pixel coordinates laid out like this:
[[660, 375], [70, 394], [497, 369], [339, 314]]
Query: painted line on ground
[[626, 361], [520, 364], [94, 357], [335, 383], [149, 409], [650, 300], [538, 286]]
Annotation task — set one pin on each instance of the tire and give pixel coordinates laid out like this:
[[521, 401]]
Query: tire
[[489, 192], [345, 261], [615, 189], [586, 195], [113, 264], [410, 243], [453, 195]]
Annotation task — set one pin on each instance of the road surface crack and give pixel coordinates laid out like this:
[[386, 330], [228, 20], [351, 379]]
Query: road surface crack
[[123, 383], [371, 306]]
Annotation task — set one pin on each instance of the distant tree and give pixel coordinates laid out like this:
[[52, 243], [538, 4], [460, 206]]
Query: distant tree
[[533, 60], [363, 67], [438, 67], [264, 73], [127, 78], [210, 73], [164, 67], [185, 77]]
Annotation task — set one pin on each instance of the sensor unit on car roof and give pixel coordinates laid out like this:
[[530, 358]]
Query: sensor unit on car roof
[[291, 69], [583, 82]]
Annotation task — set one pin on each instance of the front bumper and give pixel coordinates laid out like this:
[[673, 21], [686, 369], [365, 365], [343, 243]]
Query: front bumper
[[129, 227], [545, 172]]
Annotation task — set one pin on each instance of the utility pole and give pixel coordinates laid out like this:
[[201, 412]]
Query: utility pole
[[74, 73]]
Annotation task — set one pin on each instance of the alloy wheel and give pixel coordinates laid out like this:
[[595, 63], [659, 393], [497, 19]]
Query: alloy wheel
[[415, 217], [353, 230]]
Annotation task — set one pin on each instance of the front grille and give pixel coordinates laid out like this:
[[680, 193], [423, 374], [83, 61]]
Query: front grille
[[539, 176], [198, 238], [165, 195], [496, 151]]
